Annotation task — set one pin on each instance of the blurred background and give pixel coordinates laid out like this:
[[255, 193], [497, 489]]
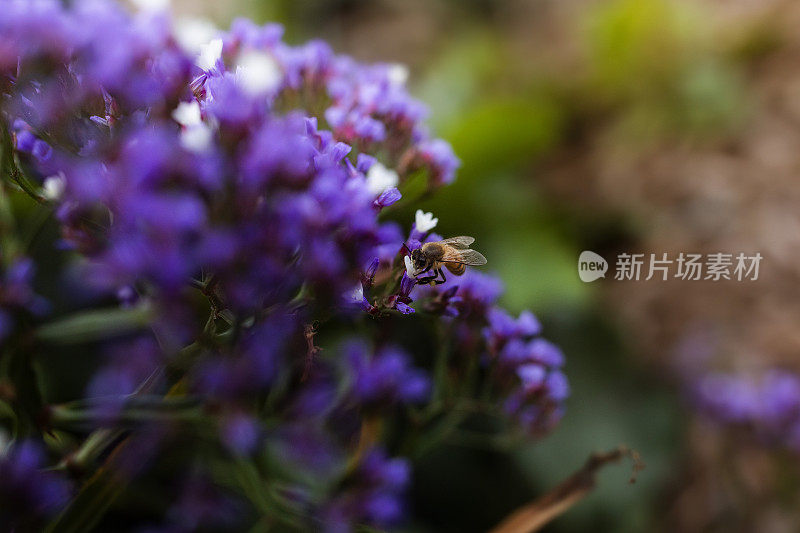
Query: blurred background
[[615, 126]]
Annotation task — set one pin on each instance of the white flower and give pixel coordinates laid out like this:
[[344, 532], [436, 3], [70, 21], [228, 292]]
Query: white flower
[[398, 74], [209, 54], [380, 178], [196, 138], [152, 6], [425, 221], [193, 33], [258, 73], [357, 294], [187, 114], [196, 135], [410, 270], [53, 187]]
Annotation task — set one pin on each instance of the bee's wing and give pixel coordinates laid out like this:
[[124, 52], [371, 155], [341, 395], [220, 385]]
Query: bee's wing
[[459, 242], [467, 257], [471, 257]]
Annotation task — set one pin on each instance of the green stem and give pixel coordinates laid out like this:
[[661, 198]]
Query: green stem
[[9, 247], [94, 445], [9, 166], [256, 490], [95, 325], [440, 367], [153, 402], [438, 434], [37, 226], [66, 418], [483, 441]]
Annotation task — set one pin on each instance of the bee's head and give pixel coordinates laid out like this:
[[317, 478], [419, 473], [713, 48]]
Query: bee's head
[[418, 259]]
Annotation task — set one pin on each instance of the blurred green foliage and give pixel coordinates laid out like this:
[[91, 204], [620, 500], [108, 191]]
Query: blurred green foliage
[[659, 62], [499, 134]]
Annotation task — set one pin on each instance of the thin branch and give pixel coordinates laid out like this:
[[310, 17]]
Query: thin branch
[[535, 515], [309, 331]]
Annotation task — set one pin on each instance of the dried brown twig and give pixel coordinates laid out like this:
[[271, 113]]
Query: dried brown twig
[[309, 331], [535, 515]]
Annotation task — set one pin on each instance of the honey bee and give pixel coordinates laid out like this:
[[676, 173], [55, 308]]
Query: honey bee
[[453, 253]]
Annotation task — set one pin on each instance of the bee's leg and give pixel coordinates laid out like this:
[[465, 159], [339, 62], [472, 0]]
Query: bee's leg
[[428, 278], [433, 279]]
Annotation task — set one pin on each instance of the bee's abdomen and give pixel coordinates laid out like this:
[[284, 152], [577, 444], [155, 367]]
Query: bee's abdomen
[[456, 268]]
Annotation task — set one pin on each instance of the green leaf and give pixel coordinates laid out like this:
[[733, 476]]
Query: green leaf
[[95, 325], [135, 411]]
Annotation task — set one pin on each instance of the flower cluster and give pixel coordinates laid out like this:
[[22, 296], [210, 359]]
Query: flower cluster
[[522, 366], [230, 200], [366, 106], [532, 365], [768, 406]]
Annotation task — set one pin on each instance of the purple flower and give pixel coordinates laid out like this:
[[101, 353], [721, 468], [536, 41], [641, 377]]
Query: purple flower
[[532, 376], [385, 378], [557, 386], [728, 398], [387, 197], [28, 494], [203, 504], [503, 326], [468, 297], [439, 156], [374, 496], [129, 365], [529, 369], [768, 406], [308, 448], [17, 298], [240, 433]]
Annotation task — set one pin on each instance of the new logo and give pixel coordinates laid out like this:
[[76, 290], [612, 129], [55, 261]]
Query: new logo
[[591, 266]]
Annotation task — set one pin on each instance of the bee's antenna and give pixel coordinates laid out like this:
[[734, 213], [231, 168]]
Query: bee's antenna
[[406, 247]]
